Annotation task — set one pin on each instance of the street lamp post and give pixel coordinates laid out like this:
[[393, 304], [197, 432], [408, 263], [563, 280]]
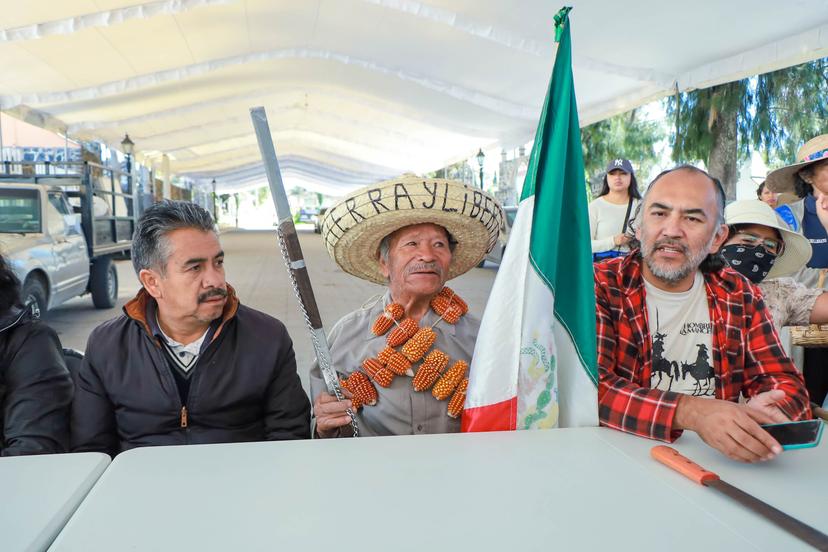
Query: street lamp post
[[215, 209], [128, 146], [480, 158]]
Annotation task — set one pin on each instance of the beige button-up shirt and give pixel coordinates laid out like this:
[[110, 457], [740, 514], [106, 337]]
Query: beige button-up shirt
[[399, 410]]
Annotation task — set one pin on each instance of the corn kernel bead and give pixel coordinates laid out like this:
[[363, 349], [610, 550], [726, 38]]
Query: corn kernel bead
[[429, 370], [382, 324], [439, 303], [385, 320], [398, 364], [402, 333], [384, 355], [377, 372], [420, 342], [394, 310], [455, 405], [449, 380], [452, 314], [424, 378], [361, 388], [449, 309], [356, 404], [455, 299]]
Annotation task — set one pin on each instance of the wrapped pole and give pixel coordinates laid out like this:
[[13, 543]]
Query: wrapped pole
[[295, 261]]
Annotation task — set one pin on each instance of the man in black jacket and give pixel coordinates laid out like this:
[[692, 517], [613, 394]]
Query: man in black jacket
[[35, 387], [186, 363]]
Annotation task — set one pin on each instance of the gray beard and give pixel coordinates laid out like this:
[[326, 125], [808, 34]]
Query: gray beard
[[674, 275]]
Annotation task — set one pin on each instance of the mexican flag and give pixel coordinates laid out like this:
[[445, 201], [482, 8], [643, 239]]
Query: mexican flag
[[535, 361]]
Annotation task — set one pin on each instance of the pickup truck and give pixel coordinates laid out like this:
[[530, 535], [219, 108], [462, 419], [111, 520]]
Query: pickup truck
[[61, 226]]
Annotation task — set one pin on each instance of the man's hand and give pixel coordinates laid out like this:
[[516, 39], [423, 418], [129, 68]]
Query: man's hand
[[620, 239], [766, 402], [822, 207], [330, 413], [731, 428]]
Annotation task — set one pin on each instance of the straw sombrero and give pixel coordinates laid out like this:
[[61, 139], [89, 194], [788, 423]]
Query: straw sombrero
[[797, 250], [783, 180], [353, 228]]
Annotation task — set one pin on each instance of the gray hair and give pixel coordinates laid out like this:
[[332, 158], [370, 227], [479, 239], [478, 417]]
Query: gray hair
[[385, 244], [150, 247], [720, 194], [713, 261]]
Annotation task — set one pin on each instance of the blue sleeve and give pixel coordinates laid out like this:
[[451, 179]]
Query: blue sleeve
[[787, 215]]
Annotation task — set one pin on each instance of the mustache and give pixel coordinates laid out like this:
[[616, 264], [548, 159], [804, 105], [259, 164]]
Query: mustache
[[671, 243], [215, 292], [425, 267]]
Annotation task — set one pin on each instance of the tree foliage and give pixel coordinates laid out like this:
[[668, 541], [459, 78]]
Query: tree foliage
[[628, 135], [700, 113], [791, 107], [775, 113]]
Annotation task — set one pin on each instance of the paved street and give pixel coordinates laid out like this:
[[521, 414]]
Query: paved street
[[255, 269]]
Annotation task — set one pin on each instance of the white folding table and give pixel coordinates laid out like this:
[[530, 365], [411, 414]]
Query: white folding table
[[40, 493], [579, 489]]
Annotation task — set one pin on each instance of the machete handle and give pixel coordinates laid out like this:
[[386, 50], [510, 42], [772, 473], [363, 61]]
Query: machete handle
[[671, 458]]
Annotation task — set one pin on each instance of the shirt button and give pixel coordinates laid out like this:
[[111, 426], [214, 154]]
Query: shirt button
[[419, 427]]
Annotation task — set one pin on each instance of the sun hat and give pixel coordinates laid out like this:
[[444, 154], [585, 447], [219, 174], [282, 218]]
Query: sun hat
[[353, 228], [797, 250], [814, 150], [622, 164]]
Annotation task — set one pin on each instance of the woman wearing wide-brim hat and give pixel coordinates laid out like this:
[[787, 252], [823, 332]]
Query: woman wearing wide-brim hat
[[808, 177], [765, 250], [411, 235], [762, 248]]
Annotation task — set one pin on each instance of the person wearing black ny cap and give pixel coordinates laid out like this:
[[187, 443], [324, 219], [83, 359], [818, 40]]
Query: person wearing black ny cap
[[610, 212]]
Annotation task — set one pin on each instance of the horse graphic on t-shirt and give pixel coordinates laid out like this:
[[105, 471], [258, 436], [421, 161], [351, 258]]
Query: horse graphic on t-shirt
[[701, 370], [661, 365]]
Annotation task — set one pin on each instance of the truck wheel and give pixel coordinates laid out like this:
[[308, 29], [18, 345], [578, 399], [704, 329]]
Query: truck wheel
[[103, 283], [34, 294]]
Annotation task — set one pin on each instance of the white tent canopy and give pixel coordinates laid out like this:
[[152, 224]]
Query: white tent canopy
[[361, 90]]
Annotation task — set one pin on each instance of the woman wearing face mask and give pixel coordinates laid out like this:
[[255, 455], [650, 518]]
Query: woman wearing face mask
[[763, 249], [610, 212]]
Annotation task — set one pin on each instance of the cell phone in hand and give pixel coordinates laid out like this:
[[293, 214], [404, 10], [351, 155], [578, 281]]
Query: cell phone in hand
[[796, 435]]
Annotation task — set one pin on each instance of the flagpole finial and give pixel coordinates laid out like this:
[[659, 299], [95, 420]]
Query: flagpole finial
[[561, 19]]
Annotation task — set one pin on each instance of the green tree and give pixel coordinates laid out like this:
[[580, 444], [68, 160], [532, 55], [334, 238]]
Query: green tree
[[262, 195], [773, 113], [710, 125], [626, 135], [791, 108]]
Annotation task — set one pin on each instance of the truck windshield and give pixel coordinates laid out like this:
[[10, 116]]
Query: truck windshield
[[19, 211]]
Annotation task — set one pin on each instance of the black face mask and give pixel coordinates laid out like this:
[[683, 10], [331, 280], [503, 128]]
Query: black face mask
[[753, 263]]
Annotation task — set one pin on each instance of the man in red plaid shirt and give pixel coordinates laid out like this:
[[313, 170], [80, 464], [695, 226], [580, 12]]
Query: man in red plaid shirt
[[668, 305]]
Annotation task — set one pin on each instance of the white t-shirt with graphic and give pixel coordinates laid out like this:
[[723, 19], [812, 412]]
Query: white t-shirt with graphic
[[682, 339]]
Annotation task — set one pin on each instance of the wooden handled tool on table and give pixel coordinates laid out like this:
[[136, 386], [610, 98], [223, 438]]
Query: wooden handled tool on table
[[670, 457], [295, 261]]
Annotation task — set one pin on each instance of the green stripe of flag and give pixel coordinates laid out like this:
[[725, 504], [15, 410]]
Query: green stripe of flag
[[560, 249]]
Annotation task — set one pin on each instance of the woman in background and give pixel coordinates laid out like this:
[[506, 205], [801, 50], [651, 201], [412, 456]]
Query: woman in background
[[35, 386], [765, 194], [808, 176], [611, 211]]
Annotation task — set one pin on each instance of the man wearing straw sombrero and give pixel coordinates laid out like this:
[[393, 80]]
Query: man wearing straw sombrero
[[808, 177], [403, 357]]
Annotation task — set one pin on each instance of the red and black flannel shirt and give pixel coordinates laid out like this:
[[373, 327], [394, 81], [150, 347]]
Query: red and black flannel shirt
[[747, 355]]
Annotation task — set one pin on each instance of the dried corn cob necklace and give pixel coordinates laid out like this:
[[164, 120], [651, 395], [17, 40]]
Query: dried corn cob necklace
[[407, 344]]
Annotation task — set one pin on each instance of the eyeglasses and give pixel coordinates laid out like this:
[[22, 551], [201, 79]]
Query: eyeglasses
[[774, 247]]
